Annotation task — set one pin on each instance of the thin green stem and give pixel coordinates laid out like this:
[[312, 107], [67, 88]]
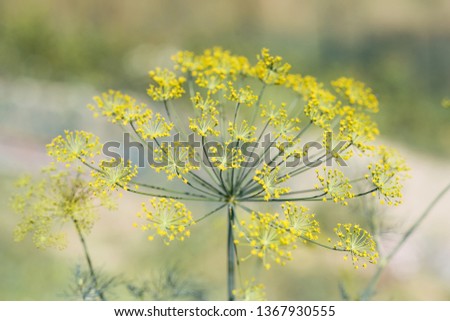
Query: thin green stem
[[260, 160], [318, 197], [244, 173], [203, 199], [236, 111], [166, 107], [205, 184], [191, 86], [301, 191], [89, 261], [210, 213], [231, 256], [200, 180], [165, 189], [323, 245], [220, 181], [370, 289], [255, 113], [293, 104], [313, 164], [251, 182], [233, 189], [252, 199], [295, 138]]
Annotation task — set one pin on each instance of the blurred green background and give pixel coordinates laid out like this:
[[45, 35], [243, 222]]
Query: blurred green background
[[55, 55]]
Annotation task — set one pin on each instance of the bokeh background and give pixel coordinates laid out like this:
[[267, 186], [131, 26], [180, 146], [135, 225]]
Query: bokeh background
[[55, 55]]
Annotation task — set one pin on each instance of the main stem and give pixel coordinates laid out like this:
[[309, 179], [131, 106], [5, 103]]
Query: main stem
[[89, 262], [231, 254]]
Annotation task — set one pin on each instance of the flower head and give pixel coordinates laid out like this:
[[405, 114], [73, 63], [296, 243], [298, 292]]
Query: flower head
[[356, 93], [357, 242], [187, 62], [118, 108], [322, 107], [268, 237], [243, 95], [301, 223], [335, 185], [270, 69], [303, 86], [114, 174], [270, 179], [250, 292], [226, 156], [61, 196], [167, 218], [75, 145], [273, 113], [387, 175], [223, 63], [175, 160], [357, 129], [206, 123], [242, 132], [168, 85], [153, 126]]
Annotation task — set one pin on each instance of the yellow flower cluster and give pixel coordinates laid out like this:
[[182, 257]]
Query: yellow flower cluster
[[271, 237], [322, 107], [213, 68], [243, 95], [387, 175], [168, 85], [117, 108], [113, 174], [269, 178], [268, 237], [300, 222], [357, 242], [241, 132], [272, 113], [75, 145], [206, 123], [153, 126], [188, 62], [122, 109], [285, 128], [335, 185], [358, 129], [250, 292], [226, 156], [356, 93], [175, 161], [271, 70], [60, 197], [302, 85], [168, 218]]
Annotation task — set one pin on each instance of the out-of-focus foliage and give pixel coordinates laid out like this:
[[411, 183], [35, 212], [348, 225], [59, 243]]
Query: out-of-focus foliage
[[403, 49]]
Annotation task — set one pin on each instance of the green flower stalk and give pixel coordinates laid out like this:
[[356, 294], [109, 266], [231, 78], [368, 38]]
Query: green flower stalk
[[62, 197], [229, 106]]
